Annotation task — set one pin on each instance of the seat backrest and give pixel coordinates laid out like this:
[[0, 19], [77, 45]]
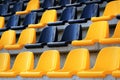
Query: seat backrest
[[48, 34], [49, 16], [72, 32], [33, 5], [27, 36], [91, 10], [48, 3], [81, 1], [3, 9], [116, 31], [7, 1], [49, 61], [77, 60], [8, 37], [98, 30], [64, 2], [13, 21], [112, 8], [30, 18], [23, 62], [4, 62], [68, 13], [2, 22], [108, 59]]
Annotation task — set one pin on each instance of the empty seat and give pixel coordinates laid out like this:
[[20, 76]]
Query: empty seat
[[115, 39], [7, 38], [111, 11], [30, 18], [77, 60], [67, 14], [48, 34], [107, 61], [32, 5], [27, 36], [47, 16], [23, 62], [90, 10], [2, 22], [71, 32], [3, 9], [4, 62], [97, 30], [48, 61]]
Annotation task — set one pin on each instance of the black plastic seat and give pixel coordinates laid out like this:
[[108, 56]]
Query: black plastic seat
[[3, 9], [71, 32], [12, 21], [91, 10], [67, 14], [30, 18], [48, 34]]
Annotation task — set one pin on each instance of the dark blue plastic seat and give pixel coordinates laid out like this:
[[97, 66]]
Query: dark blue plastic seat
[[67, 14], [12, 21], [71, 32], [30, 18], [3, 9], [48, 34], [91, 10]]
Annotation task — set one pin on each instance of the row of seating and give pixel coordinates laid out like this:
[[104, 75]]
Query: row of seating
[[77, 63]]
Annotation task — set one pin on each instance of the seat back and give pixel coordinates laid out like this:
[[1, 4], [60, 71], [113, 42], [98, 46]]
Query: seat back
[[64, 2], [8, 37], [49, 61], [49, 16], [72, 32], [2, 22], [48, 3], [98, 30], [48, 34], [68, 13], [3, 9], [30, 18], [91, 10], [108, 59], [7, 1], [4, 62], [23, 62], [77, 60], [27, 36], [13, 21], [81, 1]]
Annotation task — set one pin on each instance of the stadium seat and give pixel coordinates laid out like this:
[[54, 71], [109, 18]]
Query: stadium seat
[[71, 32], [77, 60], [30, 18], [23, 62], [27, 36], [12, 21], [68, 13], [47, 17], [4, 62], [3, 9], [107, 61], [2, 22], [7, 38], [48, 34], [32, 5], [97, 30], [48, 61], [90, 10], [111, 11], [115, 39]]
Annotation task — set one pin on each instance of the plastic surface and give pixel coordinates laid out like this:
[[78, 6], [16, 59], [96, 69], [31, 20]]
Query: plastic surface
[[48, 61], [2, 22], [77, 60]]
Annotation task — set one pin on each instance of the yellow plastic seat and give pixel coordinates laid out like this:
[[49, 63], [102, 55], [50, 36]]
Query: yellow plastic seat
[[115, 39], [27, 36], [77, 60], [48, 16], [111, 11], [107, 61], [2, 22], [4, 62], [48, 61], [32, 5], [97, 30], [7, 38], [23, 62]]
